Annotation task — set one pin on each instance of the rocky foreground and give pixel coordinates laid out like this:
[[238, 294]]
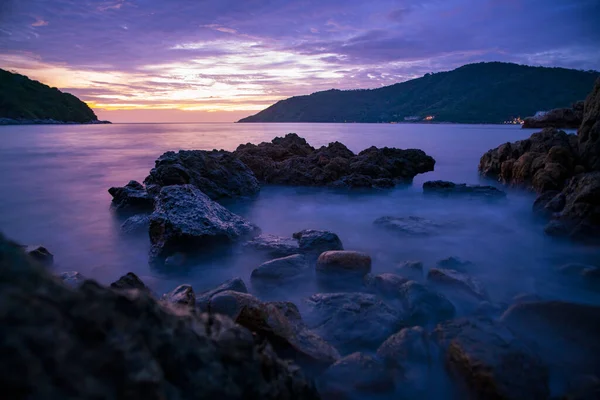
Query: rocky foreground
[[177, 201], [563, 169]]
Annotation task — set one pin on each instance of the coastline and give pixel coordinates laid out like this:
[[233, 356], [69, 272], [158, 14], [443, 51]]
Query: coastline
[[10, 121]]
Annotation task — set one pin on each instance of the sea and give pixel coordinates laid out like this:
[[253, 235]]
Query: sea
[[54, 182]]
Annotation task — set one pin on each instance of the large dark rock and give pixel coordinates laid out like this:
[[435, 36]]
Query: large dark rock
[[352, 321], [40, 254], [576, 210], [280, 324], [274, 246], [186, 220], [235, 284], [344, 262], [446, 188], [543, 162], [459, 280], [218, 174], [132, 197], [98, 343], [355, 376], [182, 295], [386, 284], [564, 334], [589, 131], [316, 242], [424, 306], [491, 360], [129, 281], [565, 118], [290, 160], [281, 270]]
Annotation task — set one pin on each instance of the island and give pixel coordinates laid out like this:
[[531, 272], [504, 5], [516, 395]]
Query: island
[[482, 93], [25, 101]]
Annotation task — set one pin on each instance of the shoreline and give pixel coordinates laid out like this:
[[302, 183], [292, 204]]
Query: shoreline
[[10, 122]]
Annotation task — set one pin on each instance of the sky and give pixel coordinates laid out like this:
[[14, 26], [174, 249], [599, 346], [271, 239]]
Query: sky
[[221, 60]]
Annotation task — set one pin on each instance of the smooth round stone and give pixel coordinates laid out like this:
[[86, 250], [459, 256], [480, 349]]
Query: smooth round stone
[[344, 261]]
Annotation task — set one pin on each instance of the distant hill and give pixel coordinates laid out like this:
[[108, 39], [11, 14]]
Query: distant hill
[[476, 93], [26, 100]]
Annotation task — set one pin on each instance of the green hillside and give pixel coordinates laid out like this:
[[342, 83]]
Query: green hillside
[[475, 93]]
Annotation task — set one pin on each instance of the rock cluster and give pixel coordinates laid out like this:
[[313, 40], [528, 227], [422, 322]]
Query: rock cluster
[[446, 188], [290, 160], [565, 118]]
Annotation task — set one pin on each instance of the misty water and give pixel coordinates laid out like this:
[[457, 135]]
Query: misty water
[[54, 192]]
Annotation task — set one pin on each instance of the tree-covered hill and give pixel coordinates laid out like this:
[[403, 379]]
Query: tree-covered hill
[[476, 93], [24, 99]]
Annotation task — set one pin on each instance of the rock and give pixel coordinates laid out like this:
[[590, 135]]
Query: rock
[[386, 284], [455, 263], [129, 281], [410, 226], [132, 197], [356, 374], [564, 334], [100, 343], [40, 254], [548, 203], [450, 188], [565, 118], [274, 246], [423, 306], [344, 262], [351, 321], [186, 220], [579, 218], [458, 280], [316, 242], [289, 336], [543, 162], [292, 161], [492, 362], [176, 260], [136, 223], [234, 284], [218, 174], [72, 279], [410, 269], [589, 131], [410, 345], [281, 270], [182, 295]]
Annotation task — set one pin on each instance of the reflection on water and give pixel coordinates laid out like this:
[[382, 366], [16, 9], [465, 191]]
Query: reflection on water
[[55, 181]]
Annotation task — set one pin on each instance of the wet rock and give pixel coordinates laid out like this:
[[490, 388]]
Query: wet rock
[[316, 242], [351, 321], [579, 218], [450, 188], [136, 223], [410, 345], [458, 280], [176, 260], [40, 254], [182, 295], [102, 343], [290, 160], [289, 336], [186, 220], [386, 284], [234, 284], [410, 269], [274, 246], [344, 262], [548, 203], [491, 360], [129, 281], [281, 270], [543, 162], [357, 374], [565, 118], [423, 306], [589, 131], [410, 226], [132, 197], [564, 334], [72, 279], [455, 263], [218, 174]]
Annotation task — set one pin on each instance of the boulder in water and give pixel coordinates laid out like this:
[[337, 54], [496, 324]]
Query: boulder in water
[[413, 270], [410, 226], [235, 284], [182, 295], [274, 246], [40, 254], [281, 270], [186, 220], [316, 242], [132, 197], [423, 306], [136, 223], [450, 188], [564, 118], [459, 280], [129, 281], [344, 263]]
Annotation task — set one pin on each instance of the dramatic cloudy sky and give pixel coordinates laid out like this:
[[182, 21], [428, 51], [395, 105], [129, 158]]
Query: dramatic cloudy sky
[[218, 60]]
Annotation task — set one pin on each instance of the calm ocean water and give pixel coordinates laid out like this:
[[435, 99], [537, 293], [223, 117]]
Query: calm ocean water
[[55, 180]]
